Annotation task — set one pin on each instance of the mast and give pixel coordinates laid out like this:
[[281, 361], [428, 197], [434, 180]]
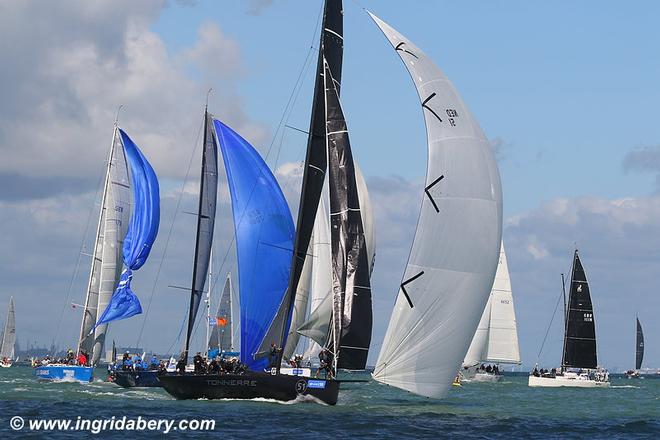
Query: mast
[[89, 318], [316, 160], [205, 224], [563, 351]]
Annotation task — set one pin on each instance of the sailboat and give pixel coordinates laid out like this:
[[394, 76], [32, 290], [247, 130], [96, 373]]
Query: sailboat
[[8, 337], [264, 239], [328, 150], [109, 296], [579, 363], [496, 339], [639, 352], [221, 339], [454, 255]]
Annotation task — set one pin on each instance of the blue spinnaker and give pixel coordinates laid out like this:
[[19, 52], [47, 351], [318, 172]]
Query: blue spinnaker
[[141, 234], [264, 239]]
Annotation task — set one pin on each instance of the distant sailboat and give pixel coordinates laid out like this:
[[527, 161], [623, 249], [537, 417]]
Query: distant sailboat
[[496, 339], [8, 337], [579, 364], [222, 334], [454, 255], [109, 296], [639, 352]]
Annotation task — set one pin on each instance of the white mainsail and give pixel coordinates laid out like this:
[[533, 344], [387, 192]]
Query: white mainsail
[[496, 338], [9, 333], [107, 256], [454, 254]]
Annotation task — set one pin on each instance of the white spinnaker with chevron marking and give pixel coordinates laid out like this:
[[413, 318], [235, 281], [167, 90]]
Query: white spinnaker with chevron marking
[[455, 251]]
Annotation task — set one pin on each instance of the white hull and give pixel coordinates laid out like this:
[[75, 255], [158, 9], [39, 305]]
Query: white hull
[[568, 380], [3, 365]]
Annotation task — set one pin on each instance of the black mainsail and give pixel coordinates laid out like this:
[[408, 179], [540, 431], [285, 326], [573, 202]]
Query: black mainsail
[[351, 286], [316, 164], [639, 346], [208, 189], [580, 332]]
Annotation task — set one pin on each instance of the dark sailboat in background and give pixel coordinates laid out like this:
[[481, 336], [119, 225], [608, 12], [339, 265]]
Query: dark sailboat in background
[[639, 353], [579, 364]]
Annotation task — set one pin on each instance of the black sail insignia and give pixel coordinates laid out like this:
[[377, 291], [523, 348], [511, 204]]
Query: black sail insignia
[[208, 189], [639, 346], [580, 332], [351, 286]]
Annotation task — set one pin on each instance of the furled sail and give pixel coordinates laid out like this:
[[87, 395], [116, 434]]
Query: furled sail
[[454, 254], [351, 285], [496, 339], [208, 190], [639, 346], [9, 333], [106, 256], [264, 239], [580, 333], [222, 334], [316, 164]]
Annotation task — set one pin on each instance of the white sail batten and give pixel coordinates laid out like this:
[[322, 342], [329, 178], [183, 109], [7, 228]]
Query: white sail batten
[[496, 338], [9, 333], [454, 254], [107, 255]]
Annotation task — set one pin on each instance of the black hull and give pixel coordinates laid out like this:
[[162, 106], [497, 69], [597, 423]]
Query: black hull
[[136, 379], [250, 386]]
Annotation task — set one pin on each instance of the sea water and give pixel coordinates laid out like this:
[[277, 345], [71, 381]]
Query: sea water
[[505, 410]]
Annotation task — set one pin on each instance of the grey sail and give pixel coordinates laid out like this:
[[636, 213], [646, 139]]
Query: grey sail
[[107, 256], [208, 189], [222, 336], [447, 280], [639, 346], [9, 333], [351, 285]]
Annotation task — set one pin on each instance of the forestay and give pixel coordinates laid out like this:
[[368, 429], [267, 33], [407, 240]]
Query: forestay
[[454, 254]]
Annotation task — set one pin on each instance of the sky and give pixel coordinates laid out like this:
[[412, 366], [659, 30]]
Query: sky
[[566, 91]]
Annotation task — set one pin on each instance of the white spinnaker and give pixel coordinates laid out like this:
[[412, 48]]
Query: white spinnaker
[[107, 256], [9, 332], [503, 334], [454, 255]]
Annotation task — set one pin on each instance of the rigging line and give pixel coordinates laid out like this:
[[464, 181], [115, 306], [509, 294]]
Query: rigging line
[[287, 109], [538, 357], [169, 235], [80, 254]]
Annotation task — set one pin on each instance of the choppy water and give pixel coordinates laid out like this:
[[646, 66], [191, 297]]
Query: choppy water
[[510, 409]]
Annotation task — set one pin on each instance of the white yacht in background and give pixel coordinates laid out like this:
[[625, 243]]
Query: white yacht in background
[[8, 339], [579, 365], [496, 339]]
